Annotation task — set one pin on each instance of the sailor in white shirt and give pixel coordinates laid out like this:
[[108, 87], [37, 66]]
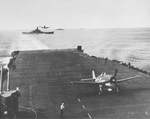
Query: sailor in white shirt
[[62, 107]]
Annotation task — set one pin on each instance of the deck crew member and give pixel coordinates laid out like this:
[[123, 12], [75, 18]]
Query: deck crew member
[[15, 101], [100, 90], [62, 107]]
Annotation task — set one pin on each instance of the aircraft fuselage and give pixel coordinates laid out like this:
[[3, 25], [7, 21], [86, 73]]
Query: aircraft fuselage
[[109, 87]]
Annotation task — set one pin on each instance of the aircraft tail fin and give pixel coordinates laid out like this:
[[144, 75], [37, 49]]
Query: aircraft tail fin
[[93, 74]]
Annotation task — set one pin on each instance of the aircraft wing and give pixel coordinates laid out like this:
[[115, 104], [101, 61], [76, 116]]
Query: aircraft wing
[[129, 78], [88, 79], [85, 82]]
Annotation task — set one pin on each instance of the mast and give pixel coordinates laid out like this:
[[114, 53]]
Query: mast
[[1, 76]]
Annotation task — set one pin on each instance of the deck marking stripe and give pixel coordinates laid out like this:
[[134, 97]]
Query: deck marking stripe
[[89, 116], [30, 109], [146, 113], [83, 106], [126, 106], [79, 100]]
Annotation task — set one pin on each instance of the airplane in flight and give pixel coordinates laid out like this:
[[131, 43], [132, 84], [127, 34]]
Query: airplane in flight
[[106, 82]]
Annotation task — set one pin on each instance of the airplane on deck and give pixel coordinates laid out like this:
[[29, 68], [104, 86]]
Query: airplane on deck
[[44, 27], [106, 82]]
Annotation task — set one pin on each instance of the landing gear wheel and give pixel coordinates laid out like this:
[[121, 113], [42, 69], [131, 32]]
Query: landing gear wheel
[[117, 90], [100, 93]]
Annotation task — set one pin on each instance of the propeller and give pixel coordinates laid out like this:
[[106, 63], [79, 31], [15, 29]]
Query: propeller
[[113, 78]]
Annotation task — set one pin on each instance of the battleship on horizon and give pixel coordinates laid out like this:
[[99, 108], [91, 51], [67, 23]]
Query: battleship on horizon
[[59, 29], [38, 31]]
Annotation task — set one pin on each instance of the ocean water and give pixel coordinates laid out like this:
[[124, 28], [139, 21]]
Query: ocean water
[[127, 45]]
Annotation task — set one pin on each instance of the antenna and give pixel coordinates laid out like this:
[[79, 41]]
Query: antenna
[[8, 75]]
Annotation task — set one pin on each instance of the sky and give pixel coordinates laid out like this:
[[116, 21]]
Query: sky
[[20, 14]]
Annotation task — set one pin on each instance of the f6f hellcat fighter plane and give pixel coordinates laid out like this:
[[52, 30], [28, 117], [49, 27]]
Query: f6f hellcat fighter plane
[[106, 82], [44, 27]]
